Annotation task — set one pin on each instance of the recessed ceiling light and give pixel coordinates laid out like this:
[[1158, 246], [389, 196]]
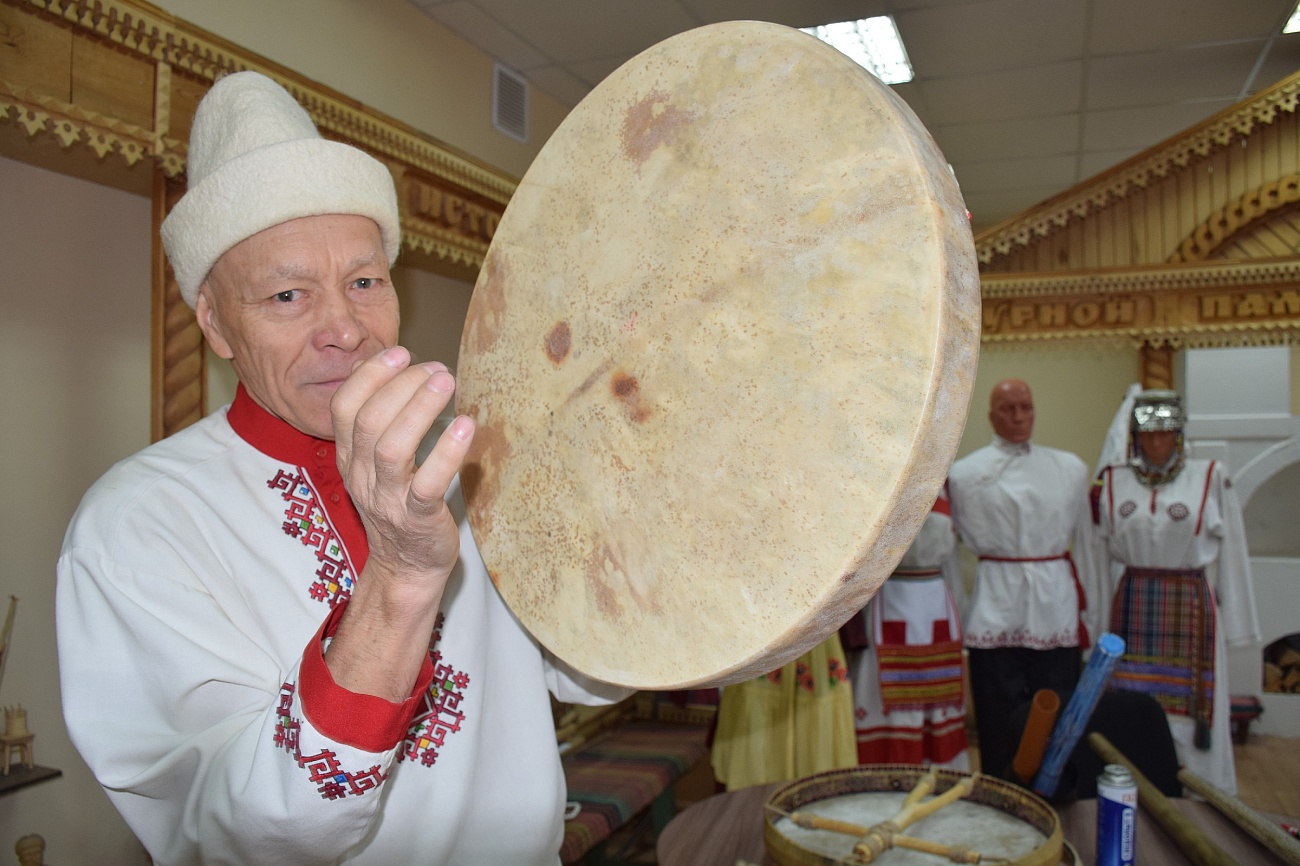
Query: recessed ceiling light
[[1293, 23], [872, 43]]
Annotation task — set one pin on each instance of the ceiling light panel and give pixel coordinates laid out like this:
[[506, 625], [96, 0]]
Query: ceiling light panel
[[872, 43]]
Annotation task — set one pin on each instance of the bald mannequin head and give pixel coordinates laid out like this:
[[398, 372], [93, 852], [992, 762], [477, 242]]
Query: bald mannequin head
[[1011, 410]]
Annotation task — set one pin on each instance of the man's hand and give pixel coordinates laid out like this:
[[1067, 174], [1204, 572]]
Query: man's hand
[[380, 415]]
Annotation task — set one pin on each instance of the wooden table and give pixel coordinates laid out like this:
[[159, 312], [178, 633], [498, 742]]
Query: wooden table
[[727, 828]]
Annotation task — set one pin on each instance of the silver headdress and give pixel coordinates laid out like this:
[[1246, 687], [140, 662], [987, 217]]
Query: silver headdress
[[1154, 412]]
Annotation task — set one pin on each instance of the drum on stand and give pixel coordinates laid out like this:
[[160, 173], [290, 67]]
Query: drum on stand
[[720, 355], [1000, 821]]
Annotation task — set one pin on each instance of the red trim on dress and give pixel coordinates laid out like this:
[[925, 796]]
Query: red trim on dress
[[364, 722], [1205, 495]]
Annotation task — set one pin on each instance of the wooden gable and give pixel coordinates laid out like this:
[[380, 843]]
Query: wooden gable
[[1194, 242]]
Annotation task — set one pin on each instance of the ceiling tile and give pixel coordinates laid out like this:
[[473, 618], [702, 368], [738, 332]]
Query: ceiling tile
[[1042, 90], [470, 23], [1282, 60], [594, 71], [1038, 136], [792, 13], [1170, 76], [990, 208], [1096, 163], [559, 83], [587, 29], [1044, 171], [1123, 26], [1000, 34], [912, 95], [1130, 128]]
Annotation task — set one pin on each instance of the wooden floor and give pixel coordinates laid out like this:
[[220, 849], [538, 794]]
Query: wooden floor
[[1268, 774]]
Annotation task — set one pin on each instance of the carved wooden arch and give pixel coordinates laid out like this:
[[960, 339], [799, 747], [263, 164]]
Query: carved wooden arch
[[1237, 218]]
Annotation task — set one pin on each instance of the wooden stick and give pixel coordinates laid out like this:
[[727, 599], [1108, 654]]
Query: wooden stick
[[955, 853], [924, 786], [881, 837], [1196, 845], [1267, 832]]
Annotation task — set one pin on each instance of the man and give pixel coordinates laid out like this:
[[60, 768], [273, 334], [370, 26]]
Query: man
[[415, 725], [1017, 505]]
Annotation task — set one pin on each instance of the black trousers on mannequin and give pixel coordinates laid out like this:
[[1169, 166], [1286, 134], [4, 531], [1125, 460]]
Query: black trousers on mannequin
[[1003, 679]]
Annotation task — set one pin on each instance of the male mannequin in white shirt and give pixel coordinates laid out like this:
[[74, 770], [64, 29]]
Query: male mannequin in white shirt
[[417, 718], [1017, 506]]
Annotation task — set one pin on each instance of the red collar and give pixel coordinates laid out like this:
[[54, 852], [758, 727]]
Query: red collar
[[279, 440], [276, 437]]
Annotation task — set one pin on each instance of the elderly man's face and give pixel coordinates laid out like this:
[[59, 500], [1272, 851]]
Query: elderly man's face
[[295, 307], [1011, 410]]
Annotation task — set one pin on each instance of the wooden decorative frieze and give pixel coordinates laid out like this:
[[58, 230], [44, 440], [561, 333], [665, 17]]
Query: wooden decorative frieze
[[1212, 304], [183, 61], [1228, 127]]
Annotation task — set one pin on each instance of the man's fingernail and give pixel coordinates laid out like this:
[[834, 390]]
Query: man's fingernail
[[434, 366], [394, 357], [441, 382], [461, 428]]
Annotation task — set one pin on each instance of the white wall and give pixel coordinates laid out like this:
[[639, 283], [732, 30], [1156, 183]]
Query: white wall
[[74, 348]]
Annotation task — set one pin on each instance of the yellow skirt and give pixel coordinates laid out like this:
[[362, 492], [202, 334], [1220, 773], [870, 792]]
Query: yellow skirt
[[787, 724]]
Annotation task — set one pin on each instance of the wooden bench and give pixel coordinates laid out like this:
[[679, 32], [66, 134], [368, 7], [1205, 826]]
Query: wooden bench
[[622, 772], [1244, 709]]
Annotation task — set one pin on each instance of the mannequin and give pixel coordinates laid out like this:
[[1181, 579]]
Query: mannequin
[[1167, 517], [1020, 507]]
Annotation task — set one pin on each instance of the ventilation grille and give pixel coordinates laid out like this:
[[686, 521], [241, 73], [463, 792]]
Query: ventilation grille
[[509, 102]]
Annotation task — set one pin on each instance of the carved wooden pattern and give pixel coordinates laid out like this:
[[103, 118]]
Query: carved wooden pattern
[[1139, 211], [1238, 217], [1156, 366], [179, 380]]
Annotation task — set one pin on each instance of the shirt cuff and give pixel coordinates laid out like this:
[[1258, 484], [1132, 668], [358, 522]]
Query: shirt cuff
[[366, 722]]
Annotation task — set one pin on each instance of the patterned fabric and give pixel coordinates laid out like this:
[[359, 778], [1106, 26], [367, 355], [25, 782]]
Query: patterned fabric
[[934, 741], [923, 677], [620, 773], [1166, 618]]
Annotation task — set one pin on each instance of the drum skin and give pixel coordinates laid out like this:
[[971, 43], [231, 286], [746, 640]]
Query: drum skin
[[1010, 799], [719, 355]]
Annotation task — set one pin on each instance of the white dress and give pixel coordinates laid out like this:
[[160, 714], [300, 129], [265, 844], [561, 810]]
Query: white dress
[[914, 619], [1190, 524], [193, 586], [1022, 508]]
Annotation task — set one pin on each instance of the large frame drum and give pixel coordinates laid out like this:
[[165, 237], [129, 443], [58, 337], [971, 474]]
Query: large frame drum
[[720, 356]]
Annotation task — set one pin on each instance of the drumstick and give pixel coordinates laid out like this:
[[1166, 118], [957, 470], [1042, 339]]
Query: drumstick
[[881, 837], [1195, 844], [1269, 834], [955, 853], [1065, 736]]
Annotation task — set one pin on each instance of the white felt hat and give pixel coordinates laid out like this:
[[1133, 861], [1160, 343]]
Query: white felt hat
[[255, 161]]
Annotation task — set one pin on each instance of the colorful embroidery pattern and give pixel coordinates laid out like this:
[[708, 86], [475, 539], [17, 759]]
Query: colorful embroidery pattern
[[323, 768], [838, 672], [439, 713], [1178, 511], [1127, 507], [306, 521]]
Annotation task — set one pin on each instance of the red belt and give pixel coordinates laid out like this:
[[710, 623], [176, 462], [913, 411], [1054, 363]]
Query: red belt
[[1084, 643]]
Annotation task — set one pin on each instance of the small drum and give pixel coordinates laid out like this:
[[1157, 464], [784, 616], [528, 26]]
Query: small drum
[[719, 356], [997, 819]]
